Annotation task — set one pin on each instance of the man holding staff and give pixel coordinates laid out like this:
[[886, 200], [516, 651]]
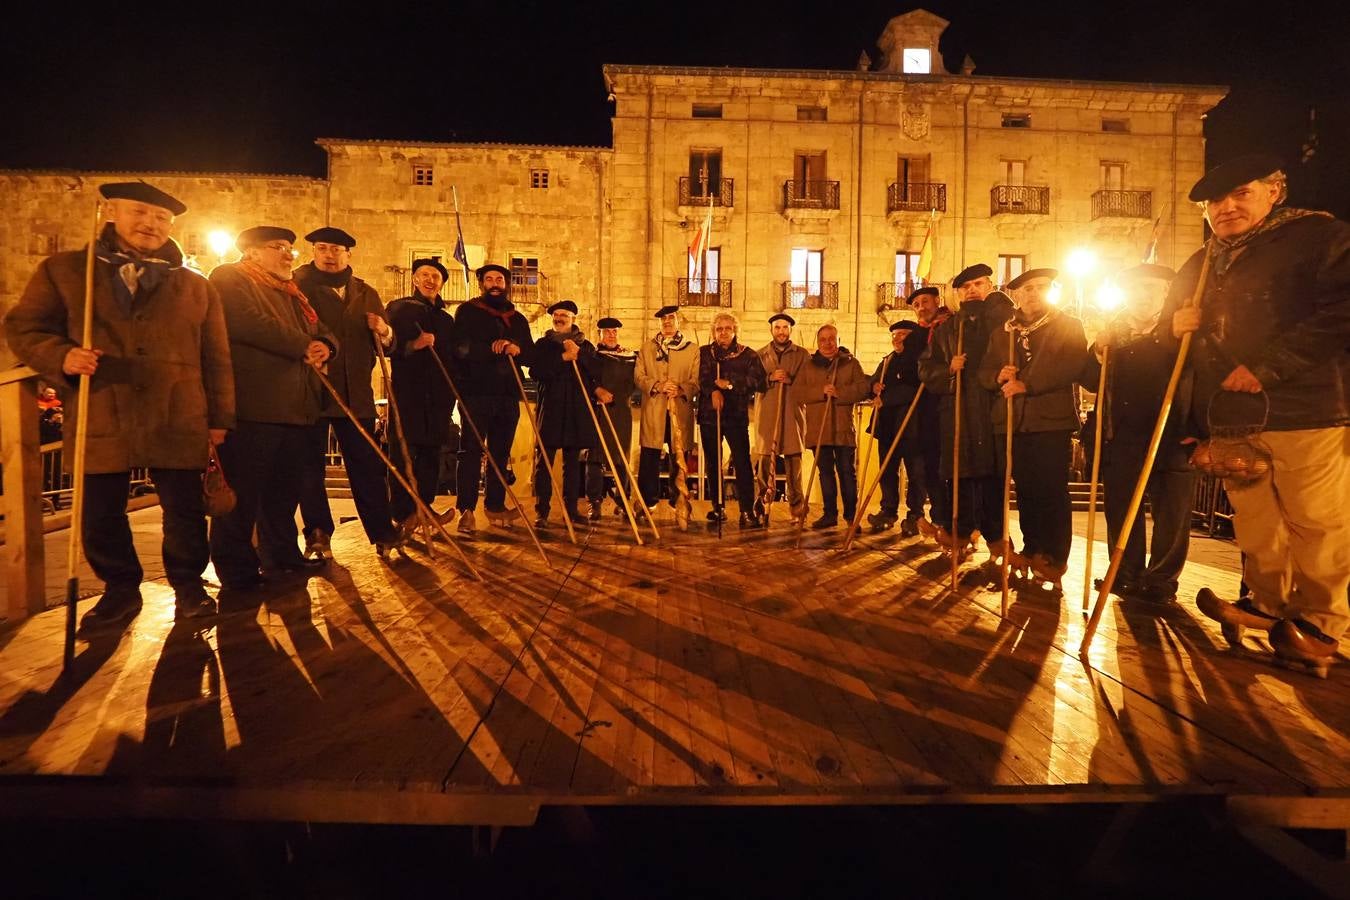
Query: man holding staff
[[161, 389], [1140, 360], [729, 375], [614, 372], [667, 377], [779, 422], [830, 384], [565, 424], [1274, 322]]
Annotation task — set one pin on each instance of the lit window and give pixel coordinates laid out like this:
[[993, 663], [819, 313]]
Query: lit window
[[1009, 267], [422, 175], [918, 60], [539, 178]]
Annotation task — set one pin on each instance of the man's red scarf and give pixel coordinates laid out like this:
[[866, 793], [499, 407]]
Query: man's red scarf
[[260, 276]]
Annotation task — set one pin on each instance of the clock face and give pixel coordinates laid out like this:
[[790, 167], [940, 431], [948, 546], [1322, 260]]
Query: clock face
[[918, 60]]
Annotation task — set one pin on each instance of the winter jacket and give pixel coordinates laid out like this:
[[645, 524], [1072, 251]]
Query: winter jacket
[[737, 364], [345, 316], [656, 366], [423, 396], [790, 429], [1049, 368], [853, 385]]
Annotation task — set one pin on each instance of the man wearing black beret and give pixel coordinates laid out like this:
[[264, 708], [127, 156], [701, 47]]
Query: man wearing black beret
[[276, 341], [1270, 351], [982, 312], [491, 336], [615, 370], [161, 389], [781, 422], [352, 310]]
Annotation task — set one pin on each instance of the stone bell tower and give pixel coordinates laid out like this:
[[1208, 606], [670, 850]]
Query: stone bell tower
[[909, 44]]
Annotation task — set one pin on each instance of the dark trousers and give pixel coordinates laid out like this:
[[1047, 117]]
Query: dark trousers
[[1170, 492], [649, 471], [1044, 510], [496, 418], [838, 476], [106, 531], [426, 477], [596, 461], [262, 462], [980, 505], [737, 438], [910, 455], [365, 473], [939, 491], [571, 474]]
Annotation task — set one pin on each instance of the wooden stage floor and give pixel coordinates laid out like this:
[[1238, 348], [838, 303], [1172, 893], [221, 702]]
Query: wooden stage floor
[[694, 671]]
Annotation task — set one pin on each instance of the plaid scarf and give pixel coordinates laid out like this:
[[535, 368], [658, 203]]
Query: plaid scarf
[[664, 345], [1023, 332], [135, 272], [260, 276], [1224, 253]]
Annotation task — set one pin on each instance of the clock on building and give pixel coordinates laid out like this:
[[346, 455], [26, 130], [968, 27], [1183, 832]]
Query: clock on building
[[918, 60]]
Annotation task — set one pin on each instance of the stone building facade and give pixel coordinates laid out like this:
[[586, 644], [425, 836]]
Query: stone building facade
[[824, 187]]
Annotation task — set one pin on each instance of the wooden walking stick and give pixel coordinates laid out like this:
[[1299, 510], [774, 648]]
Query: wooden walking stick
[[872, 426], [1100, 404], [1009, 417], [539, 442], [407, 485], [956, 450], [609, 457], [402, 440], [81, 443], [894, 445], [770, 489], [1155, 441], [628, 470], [815, 455], [482, 442], [683, 508]]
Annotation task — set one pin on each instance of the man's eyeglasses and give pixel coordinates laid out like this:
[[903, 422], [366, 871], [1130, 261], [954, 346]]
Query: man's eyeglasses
[[280, 247]]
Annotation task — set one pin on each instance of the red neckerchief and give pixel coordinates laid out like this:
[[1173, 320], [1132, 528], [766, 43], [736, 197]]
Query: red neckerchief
[[260, 276], [504, 316]]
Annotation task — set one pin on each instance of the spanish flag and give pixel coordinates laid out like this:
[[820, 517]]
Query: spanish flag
[[702, 240], [925, 264]]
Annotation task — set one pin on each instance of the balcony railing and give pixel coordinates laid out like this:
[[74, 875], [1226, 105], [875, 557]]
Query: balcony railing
[[810, 295], [704, 292], [530, 286], [916, 196], [895, 294], [810, 195], [693, 194], [1122, 205], [1018, 198]]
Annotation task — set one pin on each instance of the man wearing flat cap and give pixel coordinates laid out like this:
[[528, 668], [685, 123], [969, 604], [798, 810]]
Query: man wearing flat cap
[[615, 367], [277, 341], [1138, 370], [1049, 353], [565, 423], [161, 390], [667, 378], [959, 343], [424, 331], [893, 396], [491, 337], [351, 309], [1270, 351], [779, 419]]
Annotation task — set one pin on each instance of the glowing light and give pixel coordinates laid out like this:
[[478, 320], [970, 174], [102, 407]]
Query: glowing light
[[1080, 262], [220, 242], [1054, 294], [1109, 297]]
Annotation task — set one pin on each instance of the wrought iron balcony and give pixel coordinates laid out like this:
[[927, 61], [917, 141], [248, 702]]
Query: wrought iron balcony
[[693, 194], [530, 287], [810, 195], [810, 295], [916, 196], [1019, 198], [704, 292], [1122, 205], [895, 294]]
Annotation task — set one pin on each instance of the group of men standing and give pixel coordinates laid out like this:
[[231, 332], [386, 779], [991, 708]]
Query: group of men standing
[[260, 362]]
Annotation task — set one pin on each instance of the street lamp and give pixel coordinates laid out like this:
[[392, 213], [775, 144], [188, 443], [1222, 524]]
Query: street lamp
[[1080, 263], [220, 242], [1109, 297]]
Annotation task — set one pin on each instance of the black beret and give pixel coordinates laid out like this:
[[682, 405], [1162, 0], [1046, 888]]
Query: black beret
[[142, 192], [1147, 270], [666, 310], [493, 267], [609, 322], [897, 325], [1029, 274], [331, 235], [261, 234], [970, 273], [1221, 179], [785, 317], [563, 304], [434, 263], [921, 291]]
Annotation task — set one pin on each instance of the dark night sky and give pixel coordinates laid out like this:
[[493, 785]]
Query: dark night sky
[[252, 91]]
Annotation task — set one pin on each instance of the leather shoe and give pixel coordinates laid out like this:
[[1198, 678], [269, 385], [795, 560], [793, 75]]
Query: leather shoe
[[113, 608]]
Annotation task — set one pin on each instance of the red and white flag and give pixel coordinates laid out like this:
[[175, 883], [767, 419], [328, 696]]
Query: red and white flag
[[702, 240]]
